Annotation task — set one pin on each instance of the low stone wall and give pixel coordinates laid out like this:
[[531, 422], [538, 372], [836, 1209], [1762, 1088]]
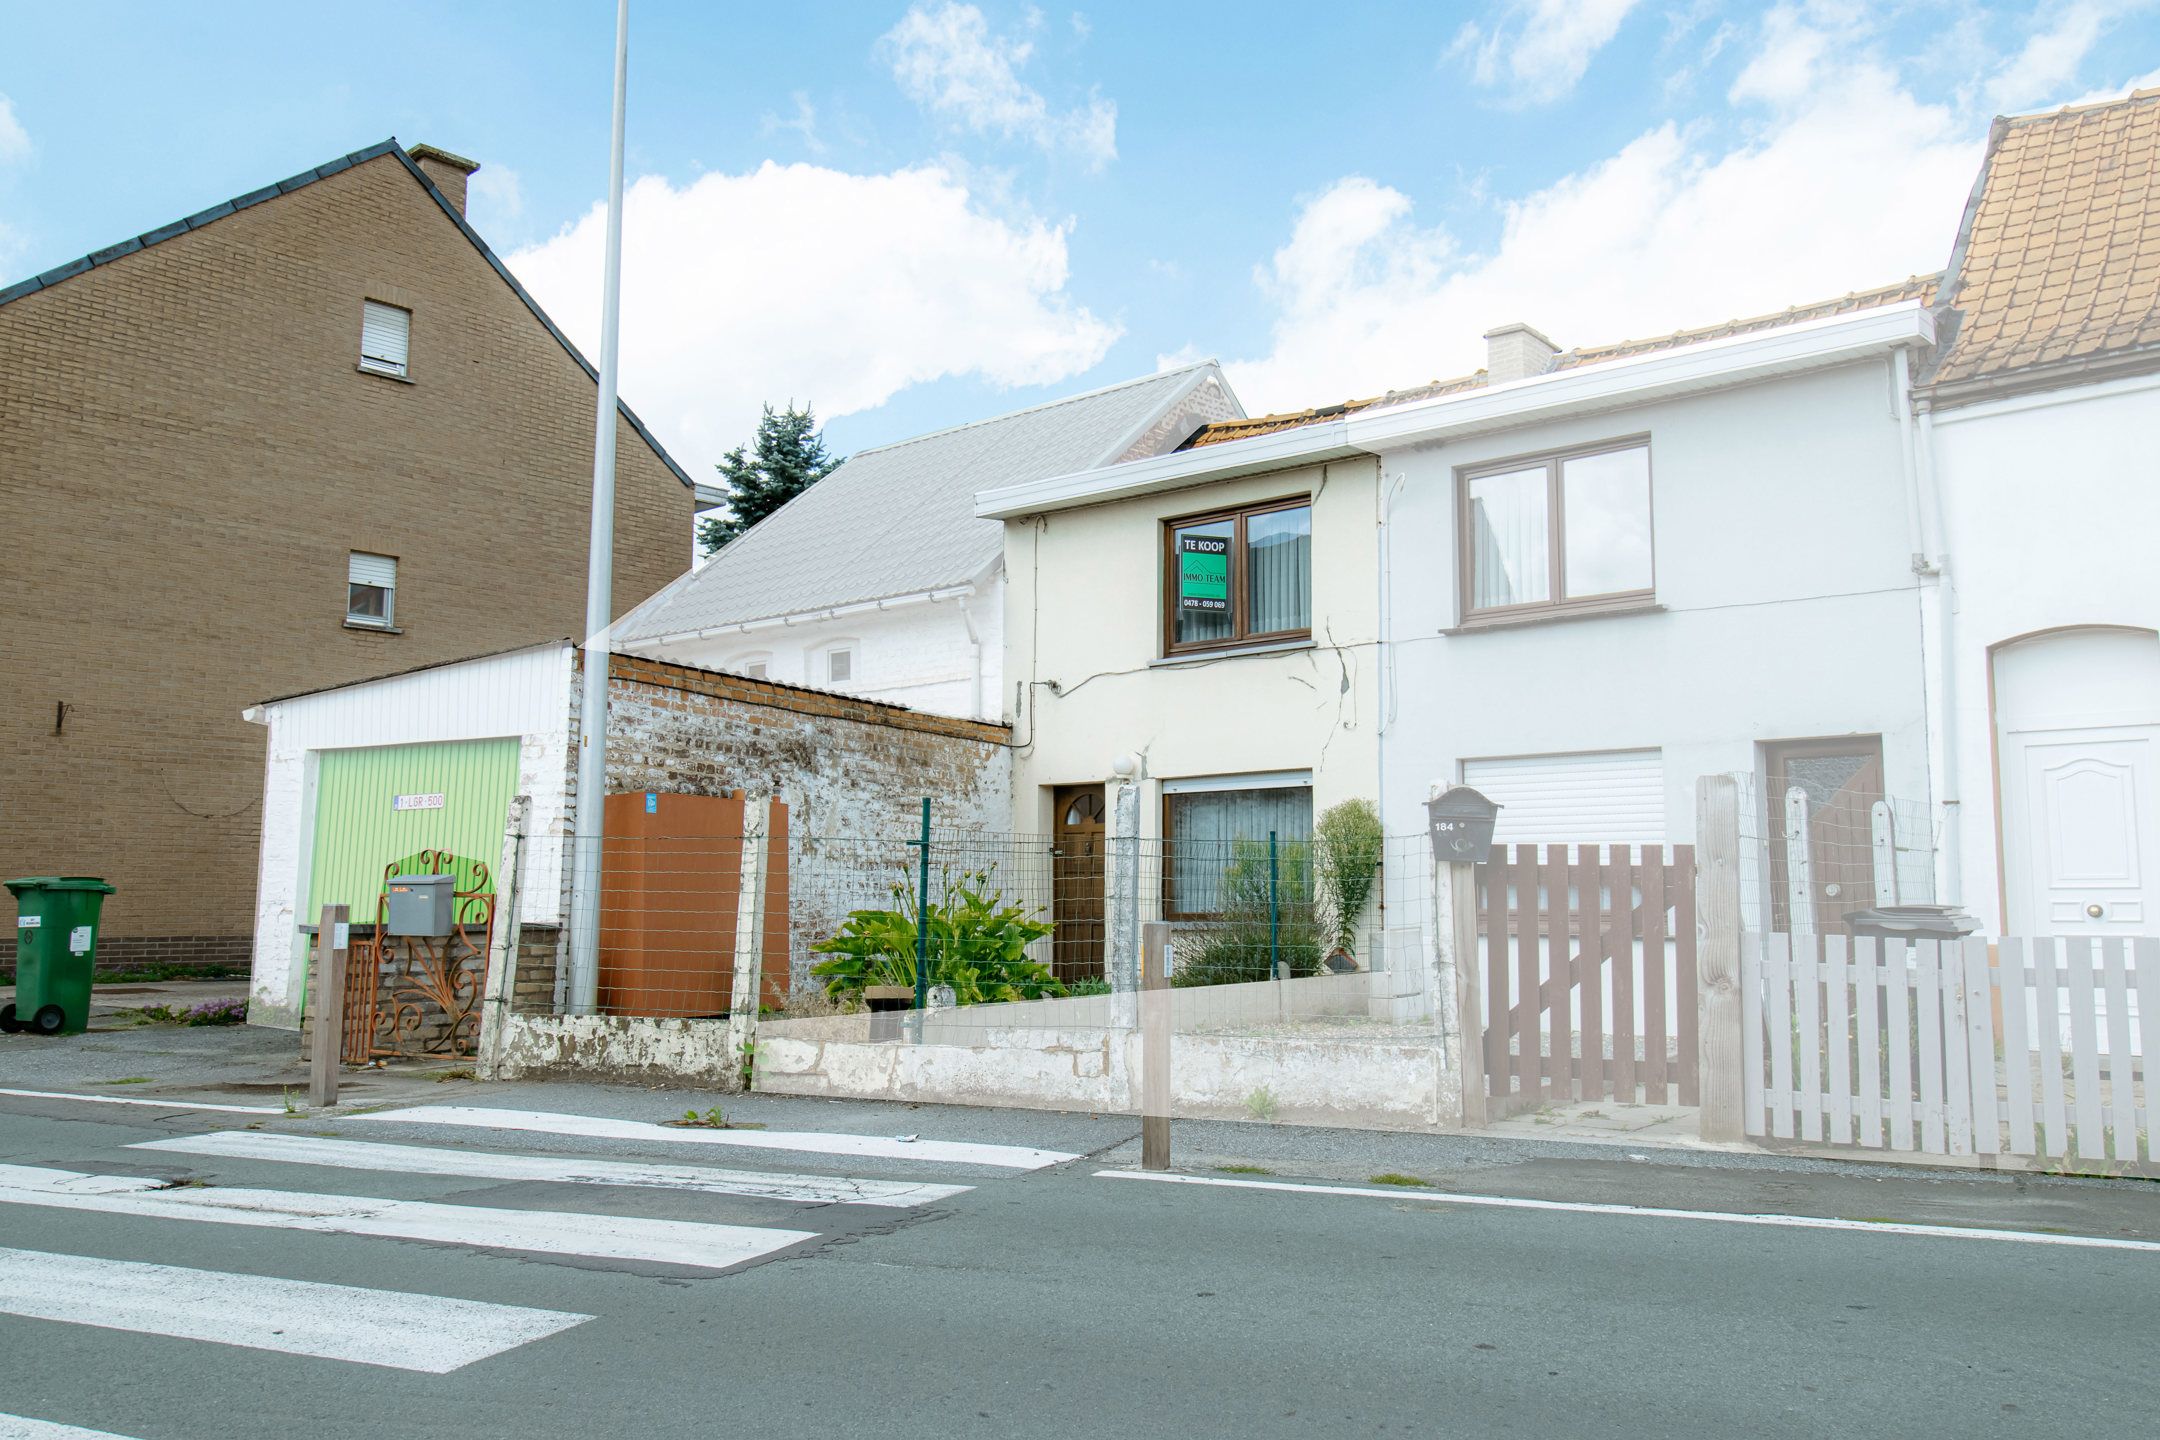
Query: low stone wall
[[618, 1047]]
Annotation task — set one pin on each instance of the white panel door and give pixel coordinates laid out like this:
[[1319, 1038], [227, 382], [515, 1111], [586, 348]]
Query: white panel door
[[2086, 839]]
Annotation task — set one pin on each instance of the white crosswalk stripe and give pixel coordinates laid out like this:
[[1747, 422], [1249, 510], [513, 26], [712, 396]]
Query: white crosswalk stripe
[[604, 1237], [429, 1333], [22, 1427], [817, 1142], [556, 1169]]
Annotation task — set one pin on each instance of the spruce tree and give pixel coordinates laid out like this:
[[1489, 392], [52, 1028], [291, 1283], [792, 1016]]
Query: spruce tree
[[787, 457]]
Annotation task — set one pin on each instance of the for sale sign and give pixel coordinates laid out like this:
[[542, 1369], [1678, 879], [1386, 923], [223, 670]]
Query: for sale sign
[[1204, 572]]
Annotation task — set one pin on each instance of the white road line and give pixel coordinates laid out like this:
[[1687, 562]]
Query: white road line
[[1649, 1212], [428, 1333], [22, 1427], [1010, 1157], [556, 1169], [546, 1232], [157, 1104]]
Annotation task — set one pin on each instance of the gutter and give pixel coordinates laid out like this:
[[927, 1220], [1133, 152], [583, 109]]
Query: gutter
[[1589, 389], [806, 617]]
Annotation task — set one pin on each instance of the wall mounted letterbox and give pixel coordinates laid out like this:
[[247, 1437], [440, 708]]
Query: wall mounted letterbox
[[423, 905], [1462, 826]]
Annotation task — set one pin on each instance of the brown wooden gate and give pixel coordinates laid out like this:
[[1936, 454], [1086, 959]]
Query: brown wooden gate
[[1076, 877], [1572, 939]]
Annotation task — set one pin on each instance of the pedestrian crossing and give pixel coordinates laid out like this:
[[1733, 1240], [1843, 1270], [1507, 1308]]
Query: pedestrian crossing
[[304, 1184]]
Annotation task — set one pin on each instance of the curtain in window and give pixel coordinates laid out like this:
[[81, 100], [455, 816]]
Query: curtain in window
[[1278, 558], [1510, 554], [1204, 826]]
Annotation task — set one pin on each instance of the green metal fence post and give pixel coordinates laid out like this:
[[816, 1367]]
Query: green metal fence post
[[1274, 915], [922, 914]]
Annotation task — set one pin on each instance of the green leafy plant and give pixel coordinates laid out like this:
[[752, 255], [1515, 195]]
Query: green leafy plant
[[977, 945], [1347, 846], [1238, 948], [1089, 985]]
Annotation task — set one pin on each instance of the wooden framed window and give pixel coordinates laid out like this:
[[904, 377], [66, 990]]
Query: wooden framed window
[[1549, 533], [1235, 577]]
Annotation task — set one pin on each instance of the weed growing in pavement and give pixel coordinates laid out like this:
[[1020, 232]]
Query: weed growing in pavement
[[229, 1011], [1261, 1104], [1391, 1178], [131, 1080], [1244, 1169], [466, 1073], [290, 1108]]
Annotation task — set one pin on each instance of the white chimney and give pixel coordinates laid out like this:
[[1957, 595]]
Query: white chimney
[[1516, 352]]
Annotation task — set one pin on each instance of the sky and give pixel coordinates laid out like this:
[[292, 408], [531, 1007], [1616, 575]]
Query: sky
[[910, 216]]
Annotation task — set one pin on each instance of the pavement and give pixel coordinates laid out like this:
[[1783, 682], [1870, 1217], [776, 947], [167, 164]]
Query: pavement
[[545, 1260]]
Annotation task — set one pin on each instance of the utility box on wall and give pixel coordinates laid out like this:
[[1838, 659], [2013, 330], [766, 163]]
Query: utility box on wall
[[670, 887], [422, 905]]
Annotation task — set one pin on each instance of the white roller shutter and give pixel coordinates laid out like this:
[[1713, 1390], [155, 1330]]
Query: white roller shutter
[[385, 337], [1609, 797], [379, 570]]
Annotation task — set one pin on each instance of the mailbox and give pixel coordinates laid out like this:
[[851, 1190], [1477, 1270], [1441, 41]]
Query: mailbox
[[1462, 826], [422, 905]]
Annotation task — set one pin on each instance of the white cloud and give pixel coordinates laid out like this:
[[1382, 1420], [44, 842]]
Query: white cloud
[[2142, 82], [14, 140], [805, 283], [946, 60], [803, 123], [496, 195], [2051, 58], [1538, 49], [1857, 185]]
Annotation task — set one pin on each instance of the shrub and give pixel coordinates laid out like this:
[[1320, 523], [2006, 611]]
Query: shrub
[[1348, 842], [1237, 949], [977, 943]]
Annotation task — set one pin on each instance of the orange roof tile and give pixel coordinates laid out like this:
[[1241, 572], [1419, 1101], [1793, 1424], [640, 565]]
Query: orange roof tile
[[2059, 255]]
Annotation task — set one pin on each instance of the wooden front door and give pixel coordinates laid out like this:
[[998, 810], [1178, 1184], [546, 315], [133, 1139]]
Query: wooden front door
[[1842, 780], [1077, 876]]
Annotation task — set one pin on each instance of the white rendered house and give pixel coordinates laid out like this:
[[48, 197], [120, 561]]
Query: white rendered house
[[880, 580]]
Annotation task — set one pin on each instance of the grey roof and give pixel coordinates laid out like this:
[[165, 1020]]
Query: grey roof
[[47, 279], [900, 519]]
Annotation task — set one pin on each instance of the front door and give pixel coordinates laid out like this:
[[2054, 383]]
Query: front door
[[2083, 830], [1077, 875], [1841, 780]]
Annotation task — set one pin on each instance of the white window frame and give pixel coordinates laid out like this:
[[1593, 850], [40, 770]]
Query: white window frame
[[382, 317], [756, 665], [364, 569], [830, 653]]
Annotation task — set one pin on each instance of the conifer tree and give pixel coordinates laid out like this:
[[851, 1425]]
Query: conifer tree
[[787, 457]]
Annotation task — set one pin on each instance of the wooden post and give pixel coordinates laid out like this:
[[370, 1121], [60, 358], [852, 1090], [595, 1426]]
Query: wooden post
[[1458, 1006], [499, 989], [332, 938], [1717, 955], [749, 974], [1154, 1048]]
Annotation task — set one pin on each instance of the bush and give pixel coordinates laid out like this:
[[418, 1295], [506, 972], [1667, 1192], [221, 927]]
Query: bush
[[978, 945], [1237, 950], [1349, 843]]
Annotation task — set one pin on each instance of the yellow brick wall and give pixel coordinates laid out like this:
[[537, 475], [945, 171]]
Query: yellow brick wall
[[187, 454]]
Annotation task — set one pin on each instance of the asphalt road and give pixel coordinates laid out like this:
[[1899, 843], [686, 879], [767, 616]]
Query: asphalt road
[[1050, 1301]]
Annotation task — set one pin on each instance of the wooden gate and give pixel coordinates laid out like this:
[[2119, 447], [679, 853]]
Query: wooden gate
[[1590, 983]]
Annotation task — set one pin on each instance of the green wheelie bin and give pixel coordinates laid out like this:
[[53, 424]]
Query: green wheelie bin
[[55, 951]]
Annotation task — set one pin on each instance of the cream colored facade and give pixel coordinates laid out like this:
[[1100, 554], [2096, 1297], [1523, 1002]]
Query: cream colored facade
[[1090, 683]]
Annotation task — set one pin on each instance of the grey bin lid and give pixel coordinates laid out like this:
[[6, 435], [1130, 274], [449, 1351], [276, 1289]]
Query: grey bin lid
[[416, 882], [1920, 922]]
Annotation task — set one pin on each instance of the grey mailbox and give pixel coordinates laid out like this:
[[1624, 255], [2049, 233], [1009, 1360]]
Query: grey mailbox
[[1462, 825], [422, 904]]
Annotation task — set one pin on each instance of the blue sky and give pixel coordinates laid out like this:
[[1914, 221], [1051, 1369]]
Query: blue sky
[[914, 216]]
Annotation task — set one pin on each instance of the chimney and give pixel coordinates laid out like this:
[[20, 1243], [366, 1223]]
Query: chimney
[[448, 171], [1516, 352]]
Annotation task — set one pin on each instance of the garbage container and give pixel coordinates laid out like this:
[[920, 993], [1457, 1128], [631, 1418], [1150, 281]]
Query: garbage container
[[1912, 922], [55, 951]]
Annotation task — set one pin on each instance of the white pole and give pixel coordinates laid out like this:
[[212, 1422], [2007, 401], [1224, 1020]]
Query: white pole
[[599, 587]]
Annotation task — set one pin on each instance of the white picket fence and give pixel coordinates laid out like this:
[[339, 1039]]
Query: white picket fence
[[1955, 1047]]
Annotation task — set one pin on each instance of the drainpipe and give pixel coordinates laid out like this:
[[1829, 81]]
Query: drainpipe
[[1924, 514]]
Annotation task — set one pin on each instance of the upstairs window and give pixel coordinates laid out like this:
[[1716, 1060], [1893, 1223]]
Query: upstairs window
[[1557, 532], [1238, 577], [370, 590], [755, 667], [840, 665], [385, 338]]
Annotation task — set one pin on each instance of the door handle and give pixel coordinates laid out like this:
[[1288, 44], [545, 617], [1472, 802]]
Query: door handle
[[2096, 910]]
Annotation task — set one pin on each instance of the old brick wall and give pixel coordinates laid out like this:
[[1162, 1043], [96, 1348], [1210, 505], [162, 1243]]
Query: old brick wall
[[532, 993], [188, 453]]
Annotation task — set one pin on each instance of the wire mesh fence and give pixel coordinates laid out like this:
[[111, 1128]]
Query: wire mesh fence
[[1812, 854]]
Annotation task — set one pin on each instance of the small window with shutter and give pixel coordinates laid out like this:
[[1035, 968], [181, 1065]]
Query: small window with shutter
[[370, 590], [385, 339]]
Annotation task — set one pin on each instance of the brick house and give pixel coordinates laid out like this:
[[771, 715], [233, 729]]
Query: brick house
[[310, 435]]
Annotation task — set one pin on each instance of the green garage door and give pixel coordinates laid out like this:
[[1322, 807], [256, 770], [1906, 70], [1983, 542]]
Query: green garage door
[[377, 806]]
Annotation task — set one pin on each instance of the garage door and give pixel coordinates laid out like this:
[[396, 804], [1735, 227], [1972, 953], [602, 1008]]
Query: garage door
[[377, 806], [1598, 797]]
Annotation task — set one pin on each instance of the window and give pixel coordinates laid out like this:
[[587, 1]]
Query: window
[[370, 590], [1206, 822], [385, 338], [1238, 576], [840, 666], [1562, 531], [756, 666]]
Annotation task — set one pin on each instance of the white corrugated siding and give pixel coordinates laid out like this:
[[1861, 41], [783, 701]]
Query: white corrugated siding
[[1609, 797], [385, 336]]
